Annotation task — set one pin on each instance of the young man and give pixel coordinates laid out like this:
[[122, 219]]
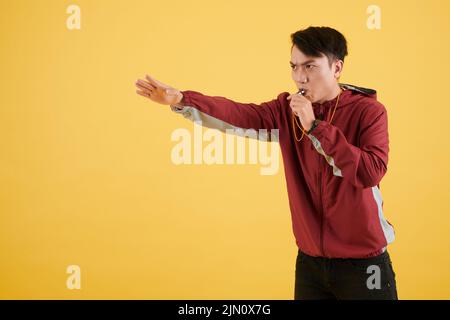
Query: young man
[[334, 142]]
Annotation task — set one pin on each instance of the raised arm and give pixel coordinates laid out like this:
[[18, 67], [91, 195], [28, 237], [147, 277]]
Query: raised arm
[[214, 111]]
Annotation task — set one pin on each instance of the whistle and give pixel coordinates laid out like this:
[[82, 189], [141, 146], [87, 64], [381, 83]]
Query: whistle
[[301, 92]]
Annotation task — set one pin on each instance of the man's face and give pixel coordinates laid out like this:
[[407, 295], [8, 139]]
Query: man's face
[[321, 79]]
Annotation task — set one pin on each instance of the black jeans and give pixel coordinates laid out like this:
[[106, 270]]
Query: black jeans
[[365, 279]]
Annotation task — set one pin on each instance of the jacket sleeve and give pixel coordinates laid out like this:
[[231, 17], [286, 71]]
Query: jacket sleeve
[[362, 166], [222, 113]]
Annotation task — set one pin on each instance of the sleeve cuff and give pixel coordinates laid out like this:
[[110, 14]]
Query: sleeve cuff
[[183, 103], [318, 129]]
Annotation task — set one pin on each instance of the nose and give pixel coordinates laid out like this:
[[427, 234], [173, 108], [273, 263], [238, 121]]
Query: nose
[[300, 77]]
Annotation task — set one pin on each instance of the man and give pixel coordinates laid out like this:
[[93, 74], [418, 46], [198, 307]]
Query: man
[[334, 142]]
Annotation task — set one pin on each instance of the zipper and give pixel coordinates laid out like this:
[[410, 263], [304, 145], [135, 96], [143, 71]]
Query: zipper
[[322, 214], [320, 191], [321, 206]]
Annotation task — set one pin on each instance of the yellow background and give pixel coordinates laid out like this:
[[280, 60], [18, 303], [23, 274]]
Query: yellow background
[[85, 169]]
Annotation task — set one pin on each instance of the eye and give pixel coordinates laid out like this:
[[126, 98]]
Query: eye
[[292, 67], [309, 66]]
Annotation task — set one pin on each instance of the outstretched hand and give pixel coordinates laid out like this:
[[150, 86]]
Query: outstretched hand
[[158, 91]]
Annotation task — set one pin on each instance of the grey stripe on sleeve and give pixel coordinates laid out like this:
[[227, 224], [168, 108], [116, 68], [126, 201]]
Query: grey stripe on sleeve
[[195, 115], [330, 160]]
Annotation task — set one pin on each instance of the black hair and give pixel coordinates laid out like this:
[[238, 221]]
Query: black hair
[[315, 41]]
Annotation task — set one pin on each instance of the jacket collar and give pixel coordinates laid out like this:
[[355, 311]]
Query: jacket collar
[[349, 94]]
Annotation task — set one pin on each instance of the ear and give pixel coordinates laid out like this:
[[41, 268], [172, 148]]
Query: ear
[[338, 66]]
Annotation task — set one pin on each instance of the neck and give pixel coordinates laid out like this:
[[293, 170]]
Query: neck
[[333, 94]]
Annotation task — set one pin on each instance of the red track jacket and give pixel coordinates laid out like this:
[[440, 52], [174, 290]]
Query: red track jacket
[[332, 174]]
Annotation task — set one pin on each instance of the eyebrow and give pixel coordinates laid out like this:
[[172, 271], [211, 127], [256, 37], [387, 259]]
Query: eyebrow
[[306, 62]]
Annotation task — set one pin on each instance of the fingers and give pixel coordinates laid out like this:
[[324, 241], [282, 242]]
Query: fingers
[[297, 96], [151, 86], [143, 93], [294, 111], [291, 96], [144, 84], [153, 81], [144, 89]]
